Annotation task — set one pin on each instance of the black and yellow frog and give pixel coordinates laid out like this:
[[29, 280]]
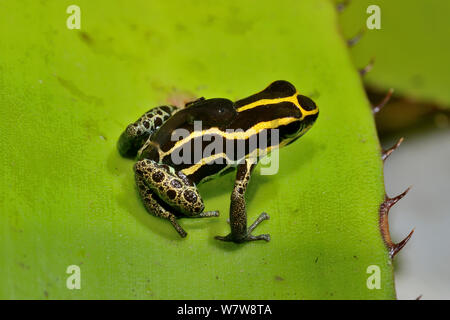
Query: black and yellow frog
[[168, 186]]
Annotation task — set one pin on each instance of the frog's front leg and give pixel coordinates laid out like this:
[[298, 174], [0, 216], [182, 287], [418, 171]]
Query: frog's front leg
[[166, 193], [238, 215]]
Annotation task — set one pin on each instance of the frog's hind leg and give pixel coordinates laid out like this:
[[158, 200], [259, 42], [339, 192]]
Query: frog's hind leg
[[172, 188], [136, 133], [154, 207]]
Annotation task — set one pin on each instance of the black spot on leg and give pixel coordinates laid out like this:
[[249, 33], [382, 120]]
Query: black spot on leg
[[158, 122], [176, 184], [190, 196], [146, 124], [171, 194], [158, 176], [241, 191]]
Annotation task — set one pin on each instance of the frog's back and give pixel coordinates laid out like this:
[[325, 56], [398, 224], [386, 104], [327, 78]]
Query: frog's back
[[181, 141], [207, 137]]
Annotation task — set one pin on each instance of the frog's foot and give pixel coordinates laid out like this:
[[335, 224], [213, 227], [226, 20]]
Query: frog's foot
[[248, 236]]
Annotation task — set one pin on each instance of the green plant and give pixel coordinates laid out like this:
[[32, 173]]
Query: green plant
[[410, 49], [69, 198]]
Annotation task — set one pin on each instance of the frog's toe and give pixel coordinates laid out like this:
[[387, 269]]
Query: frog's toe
[[207, 214], [263, 216], [265, 237]]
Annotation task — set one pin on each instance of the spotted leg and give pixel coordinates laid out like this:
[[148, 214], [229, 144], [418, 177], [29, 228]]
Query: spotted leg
[[137, 133], [154, 207], [238, 215], [166, 192]]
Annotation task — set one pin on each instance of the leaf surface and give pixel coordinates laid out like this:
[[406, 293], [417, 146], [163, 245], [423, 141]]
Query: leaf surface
[[411, 49], [68, 198]]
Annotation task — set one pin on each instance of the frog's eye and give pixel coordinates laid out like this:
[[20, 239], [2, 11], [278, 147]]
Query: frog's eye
[[306, 103]]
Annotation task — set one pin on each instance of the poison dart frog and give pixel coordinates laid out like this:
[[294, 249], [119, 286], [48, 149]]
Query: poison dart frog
[[168, 187]]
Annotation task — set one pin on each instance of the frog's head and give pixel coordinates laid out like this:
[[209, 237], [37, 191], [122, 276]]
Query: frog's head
[[304, 120]]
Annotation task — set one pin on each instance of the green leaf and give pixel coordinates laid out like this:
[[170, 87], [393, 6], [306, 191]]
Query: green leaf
[[68, 198], [411, 49]]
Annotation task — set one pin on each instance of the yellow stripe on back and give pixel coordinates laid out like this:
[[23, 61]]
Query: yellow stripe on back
[[291, 99], [243, 135]]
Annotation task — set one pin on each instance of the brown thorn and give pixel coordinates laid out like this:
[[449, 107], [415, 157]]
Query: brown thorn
[[355, 39], [342, 5], [392, 201], [386, 153], [378, 107], [387, 204], [367, 68], [399, 246], [419, 297]]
